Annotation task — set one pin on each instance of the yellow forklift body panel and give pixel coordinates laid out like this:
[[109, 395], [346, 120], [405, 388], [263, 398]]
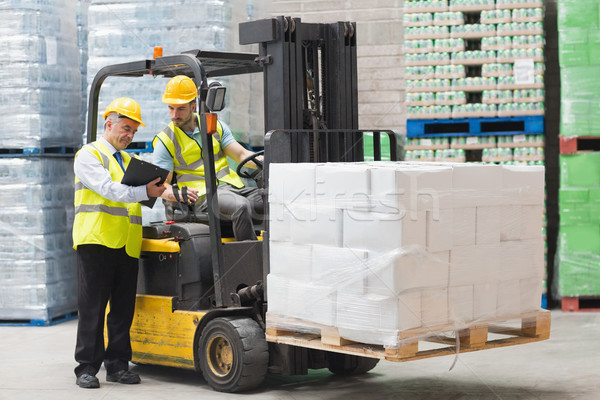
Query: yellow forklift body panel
[[160, 245], [161, 336]]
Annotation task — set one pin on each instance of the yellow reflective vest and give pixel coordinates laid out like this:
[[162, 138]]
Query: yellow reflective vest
[[187, 158], [102, 221]]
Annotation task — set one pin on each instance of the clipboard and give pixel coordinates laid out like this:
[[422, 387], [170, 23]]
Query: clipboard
[[140, 172]]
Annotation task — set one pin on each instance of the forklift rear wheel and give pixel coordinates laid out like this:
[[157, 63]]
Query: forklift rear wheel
[[343, 364], [233, 354]]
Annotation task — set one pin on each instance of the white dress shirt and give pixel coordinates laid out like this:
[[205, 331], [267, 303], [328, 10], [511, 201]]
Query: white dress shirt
[[95, 177]]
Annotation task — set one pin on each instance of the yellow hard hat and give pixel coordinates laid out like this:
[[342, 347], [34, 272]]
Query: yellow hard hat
[[180, 90], [126, 107]]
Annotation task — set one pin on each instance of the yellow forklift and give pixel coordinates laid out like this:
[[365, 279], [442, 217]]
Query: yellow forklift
[[202, 300]]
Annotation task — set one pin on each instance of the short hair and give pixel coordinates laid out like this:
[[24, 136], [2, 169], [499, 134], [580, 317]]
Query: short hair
[[112, 117]]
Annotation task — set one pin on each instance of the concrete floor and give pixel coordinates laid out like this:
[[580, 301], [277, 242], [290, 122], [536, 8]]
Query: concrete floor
[[37, 363]]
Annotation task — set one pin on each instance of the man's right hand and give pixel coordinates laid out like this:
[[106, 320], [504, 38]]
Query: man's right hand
[[154, 189], [192, 195]]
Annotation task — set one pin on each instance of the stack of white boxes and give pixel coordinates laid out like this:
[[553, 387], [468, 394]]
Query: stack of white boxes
[[378, 248]]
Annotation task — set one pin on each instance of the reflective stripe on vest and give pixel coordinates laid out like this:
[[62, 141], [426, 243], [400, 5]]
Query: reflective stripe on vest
[[187, 158], [102, 221]]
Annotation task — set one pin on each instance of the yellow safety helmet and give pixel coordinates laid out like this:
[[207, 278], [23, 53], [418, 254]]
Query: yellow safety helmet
[[126, 107], [180, 90]]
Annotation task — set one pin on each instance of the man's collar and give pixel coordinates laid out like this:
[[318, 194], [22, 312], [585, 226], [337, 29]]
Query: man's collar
[[109, 146]]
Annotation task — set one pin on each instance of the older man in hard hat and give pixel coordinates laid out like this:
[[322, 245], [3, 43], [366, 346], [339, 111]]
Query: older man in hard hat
[[178, 148], [107, 234]]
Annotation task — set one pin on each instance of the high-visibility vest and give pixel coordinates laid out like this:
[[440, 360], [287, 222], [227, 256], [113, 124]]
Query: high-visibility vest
[[102, 221], [188, 165]]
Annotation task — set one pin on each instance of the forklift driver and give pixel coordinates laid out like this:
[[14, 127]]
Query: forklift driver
[[178, 148]]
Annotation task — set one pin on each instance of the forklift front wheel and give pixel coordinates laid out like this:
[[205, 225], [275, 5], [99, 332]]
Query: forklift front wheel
[[233, 354]]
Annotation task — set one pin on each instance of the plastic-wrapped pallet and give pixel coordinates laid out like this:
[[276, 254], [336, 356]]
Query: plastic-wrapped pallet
[[39, 70], [122, 31], [37, 263], [375, 249], [82, 44]]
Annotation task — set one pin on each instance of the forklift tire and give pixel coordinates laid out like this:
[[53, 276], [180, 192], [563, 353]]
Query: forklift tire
[[233, 354], [343, 364]]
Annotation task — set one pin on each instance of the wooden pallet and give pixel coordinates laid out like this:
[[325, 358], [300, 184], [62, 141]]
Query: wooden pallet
[[576, 304], [39, 321], [416, 344], [578, 144]]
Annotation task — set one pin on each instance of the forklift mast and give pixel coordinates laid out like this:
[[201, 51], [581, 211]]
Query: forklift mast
[[310, 79]]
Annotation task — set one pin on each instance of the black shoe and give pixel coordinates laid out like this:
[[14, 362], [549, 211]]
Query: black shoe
[[87, 381], [123, 376]]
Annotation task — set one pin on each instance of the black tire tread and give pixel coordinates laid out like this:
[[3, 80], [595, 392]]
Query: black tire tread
[[254, 354], [359, 365]]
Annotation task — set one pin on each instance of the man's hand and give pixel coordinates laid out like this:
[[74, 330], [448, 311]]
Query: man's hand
[[192, 194], [154, 189]]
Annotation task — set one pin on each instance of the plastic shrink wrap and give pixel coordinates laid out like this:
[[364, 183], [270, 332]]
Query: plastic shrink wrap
[[578, 260], [40, 95], [37, 262], [122, 31], [376, 249], [579, 230]]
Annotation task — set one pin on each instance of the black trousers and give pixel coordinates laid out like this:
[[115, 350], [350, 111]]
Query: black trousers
[[103, 275]]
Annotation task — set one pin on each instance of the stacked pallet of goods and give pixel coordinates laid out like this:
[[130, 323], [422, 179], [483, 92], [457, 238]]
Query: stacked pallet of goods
[[579, 194], [474, 59], [40, 100], [474, 73], [391, 253]]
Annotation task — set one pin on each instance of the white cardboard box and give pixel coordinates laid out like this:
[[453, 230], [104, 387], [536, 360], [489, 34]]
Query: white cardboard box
[[439, 230], [346, 268], [509, 298], [488, 225], [291, 261], [317, 225], [377, 231], [485, 301], [312, 302], [279, 223], [342, 185], [292, 183], [522, 259], [460, 304], [510, 223], [471, 265], [411, 269], [464, 226], [523, 184], [278, 293], [424, 188], [531, 294], [477, 185], [434, 306], [377, 319], [531, 221]]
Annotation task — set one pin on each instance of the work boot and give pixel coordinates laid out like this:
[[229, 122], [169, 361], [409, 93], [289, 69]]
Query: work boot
[[87, 381], [123, 376]]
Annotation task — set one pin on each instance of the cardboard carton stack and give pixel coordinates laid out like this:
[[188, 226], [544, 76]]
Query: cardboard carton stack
[[378, 248]]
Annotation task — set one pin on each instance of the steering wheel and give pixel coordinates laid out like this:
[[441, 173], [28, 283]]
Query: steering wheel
[[255, 171]]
